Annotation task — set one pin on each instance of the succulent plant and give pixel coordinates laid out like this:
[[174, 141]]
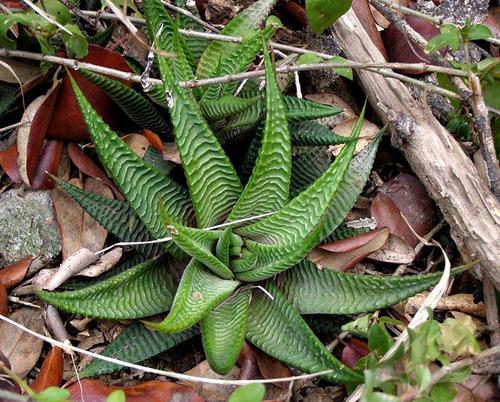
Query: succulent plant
[[247, 278]]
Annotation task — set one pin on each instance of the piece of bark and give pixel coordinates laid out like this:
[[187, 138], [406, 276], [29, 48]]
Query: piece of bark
[[449, 176]]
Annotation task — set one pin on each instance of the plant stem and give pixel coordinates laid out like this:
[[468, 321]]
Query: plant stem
[[18, 380]]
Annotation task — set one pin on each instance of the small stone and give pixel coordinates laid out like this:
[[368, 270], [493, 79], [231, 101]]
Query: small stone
[[28, 226]]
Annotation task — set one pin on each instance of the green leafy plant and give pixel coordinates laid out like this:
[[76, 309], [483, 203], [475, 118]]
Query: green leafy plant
[[321, 14], [407, 374], [45, 32], [250, 277], [453, 37]]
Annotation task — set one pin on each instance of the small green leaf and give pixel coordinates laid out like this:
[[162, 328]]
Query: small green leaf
[[379, 339], [51, 394], [449, 37], [458, 336], [76, 44], [476, 32], [248, 393], [116, 396], [443, 392], [309, 58], [321, 14]]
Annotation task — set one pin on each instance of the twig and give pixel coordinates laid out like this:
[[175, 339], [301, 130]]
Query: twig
[[47, 17], [170, 374], [419, 14], [483, 128], [492, 313], [75, 10], [378, 68], [13, 397], [189, 15]]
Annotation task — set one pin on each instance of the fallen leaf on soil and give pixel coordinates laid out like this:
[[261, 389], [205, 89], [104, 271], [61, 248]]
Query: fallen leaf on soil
[[87, 166], [31, 135], [8, 162], [4, 307], [404, 195], [463, 302], [345, 260], [137, 143], [212, 392], [51, 372], [48, 163], [364, 13], [272, 368], [247, 361], [395, 251], [353, 351], [171, 153], [67, 122], [5, 383], [78, 229], [22, 349], [151, 391], [483, 388], [26, 71], [15, 273], [153, 139]]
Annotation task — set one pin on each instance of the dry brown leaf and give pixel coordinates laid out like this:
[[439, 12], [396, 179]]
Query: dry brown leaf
[[15, 273], [25, 71], [51, 372], [4, 306], [395, 251], [22, 350], [137, 143], [170, 153], [463, 302]]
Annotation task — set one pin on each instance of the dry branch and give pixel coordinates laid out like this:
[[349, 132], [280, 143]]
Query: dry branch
[[450, 177]]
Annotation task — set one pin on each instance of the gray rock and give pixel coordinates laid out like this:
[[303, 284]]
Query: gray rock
[[28, 226]]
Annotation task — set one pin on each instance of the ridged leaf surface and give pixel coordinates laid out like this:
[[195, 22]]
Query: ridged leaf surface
[[141, 291], [135, 106], [225, 106], [313, 133], [268, 187], [198, 293], [213, 183], [134, 345], [142, 185], [276, 328], [314, 291], [223, 331]]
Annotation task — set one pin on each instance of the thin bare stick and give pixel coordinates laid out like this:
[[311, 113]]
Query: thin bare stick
[[170, 374], [378, 68], [189, 15], [10, 127]]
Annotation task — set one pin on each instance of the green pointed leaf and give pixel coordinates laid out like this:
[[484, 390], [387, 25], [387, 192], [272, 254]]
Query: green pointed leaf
[[321, 14], [134, 345], [314, 291], [216, 190], [283, 239], [195, 46], [223, 331], [309, 163], [162, 31], [142, 185], [135, 106], [225, 106], [198, 243], [223, 246], [114, 215], [313, 133], [267, 189], [198, 293], [141, 291], [345, 232], [245, 22], [277, 329]]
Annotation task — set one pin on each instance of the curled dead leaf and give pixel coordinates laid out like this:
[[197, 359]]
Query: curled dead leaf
[[395, 251], [271, 368], [354, 250], [15, 273], [354, 350], [153, 139], [4, 307], [137, 143], [8, 162]]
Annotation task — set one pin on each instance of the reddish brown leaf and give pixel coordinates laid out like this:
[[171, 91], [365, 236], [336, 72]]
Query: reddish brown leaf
[[137, 143], [15, 273], [247, 362], [66, 122], [292, 14], [272, 368], [87, 166], [350, 244], [353, 351], [4, 307], [154, 140], [8, 162], [48, 163], [344, 261], [401, 50], [407, 196], [51, 372], [31, 136], [151, 391], [362, 10], [5, 383]]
